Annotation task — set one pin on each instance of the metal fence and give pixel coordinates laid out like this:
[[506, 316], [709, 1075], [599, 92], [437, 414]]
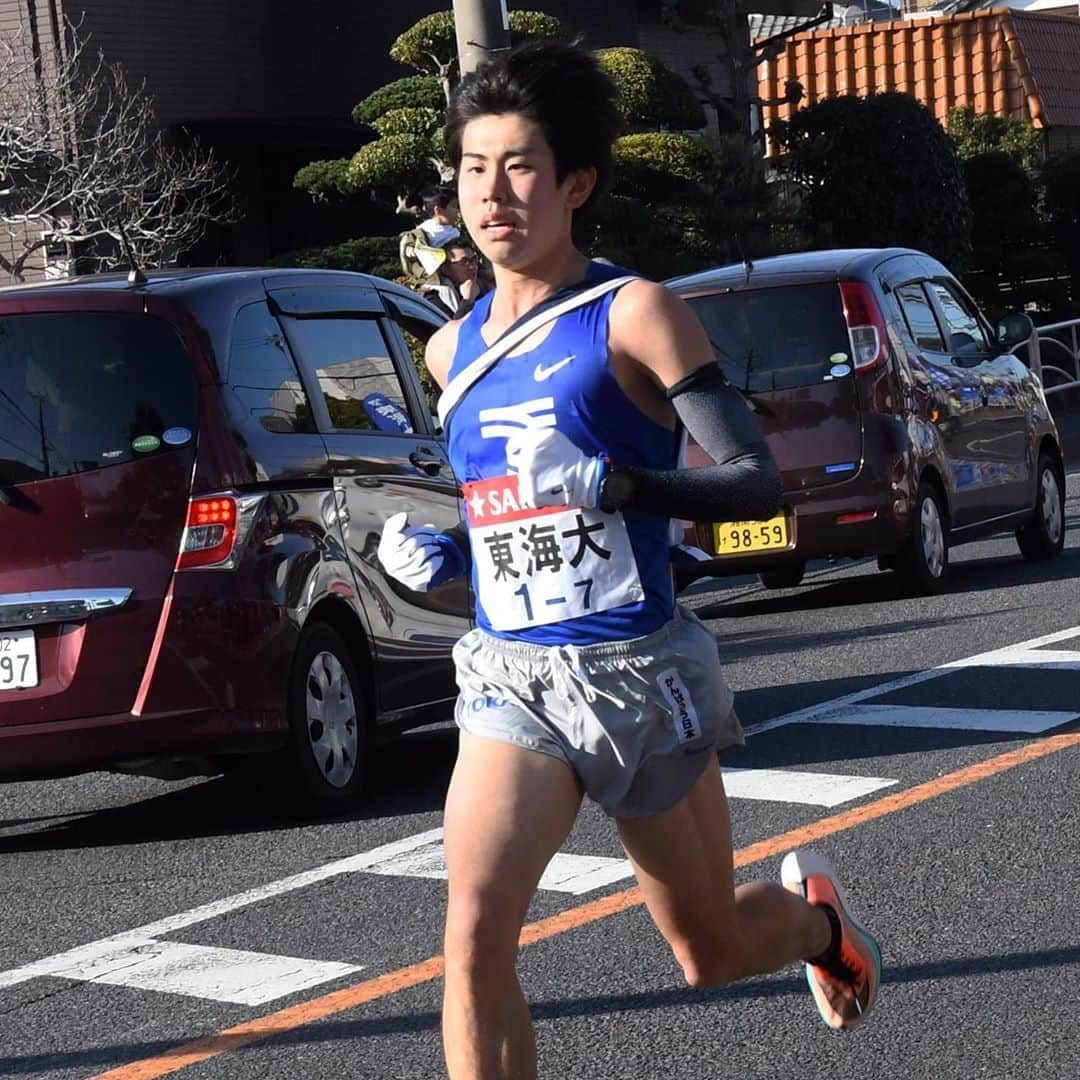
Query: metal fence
[[1054, 355]]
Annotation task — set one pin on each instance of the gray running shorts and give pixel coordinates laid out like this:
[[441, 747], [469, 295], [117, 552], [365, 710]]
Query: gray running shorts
[[636, 720]]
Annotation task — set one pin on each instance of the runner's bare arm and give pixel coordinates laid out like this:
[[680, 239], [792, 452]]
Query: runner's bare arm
[[440, 351], [655, 333]]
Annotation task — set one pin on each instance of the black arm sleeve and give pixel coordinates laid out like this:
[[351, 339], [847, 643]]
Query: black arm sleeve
[[744, 482]]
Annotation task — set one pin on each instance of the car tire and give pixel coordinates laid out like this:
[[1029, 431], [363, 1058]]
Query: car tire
[[1044, 536], [321, 772], [923, 563], [783, 577]]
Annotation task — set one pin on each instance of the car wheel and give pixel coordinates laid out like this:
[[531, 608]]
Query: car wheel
[[783, 577], [326, 759], [923, 563], [1044, 536]]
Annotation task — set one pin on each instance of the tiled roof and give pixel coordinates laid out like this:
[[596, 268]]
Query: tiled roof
[[1004, 62], [1051, 46]]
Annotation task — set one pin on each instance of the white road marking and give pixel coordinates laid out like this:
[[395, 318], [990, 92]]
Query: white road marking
[[1015, 721], [807, 788], [171, 923], [137, 958], [1023, 654], [574, 874], [173, 967]]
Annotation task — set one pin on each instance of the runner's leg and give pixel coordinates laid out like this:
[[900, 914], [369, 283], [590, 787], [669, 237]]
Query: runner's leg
[[507, 812], [684, 864]]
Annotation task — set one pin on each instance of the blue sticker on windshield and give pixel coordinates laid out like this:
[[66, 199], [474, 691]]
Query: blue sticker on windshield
[[176, 436], [838, 371], [385, 414]]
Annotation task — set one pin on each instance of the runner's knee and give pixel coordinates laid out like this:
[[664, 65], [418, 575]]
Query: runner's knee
[[480, 934]]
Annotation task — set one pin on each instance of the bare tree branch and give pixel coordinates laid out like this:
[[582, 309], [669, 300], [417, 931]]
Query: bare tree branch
[[82, 155]]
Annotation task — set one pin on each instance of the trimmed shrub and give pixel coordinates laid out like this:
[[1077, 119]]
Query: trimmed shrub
[[423, 122], [324, 179], [661, 164], [413, 92], [433, 36], [651, 95], [397, 162]]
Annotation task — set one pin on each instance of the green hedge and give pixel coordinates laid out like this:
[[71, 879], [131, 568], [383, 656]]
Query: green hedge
[[366, 254], [651, 95], [324, 179], [423, 122], [413, 92], [398, 162]]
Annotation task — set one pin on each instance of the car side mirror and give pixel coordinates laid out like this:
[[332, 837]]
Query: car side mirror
[[1014, 329]]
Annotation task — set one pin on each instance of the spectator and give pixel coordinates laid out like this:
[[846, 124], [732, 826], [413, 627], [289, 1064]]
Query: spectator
[[455, 285], [422, 250]]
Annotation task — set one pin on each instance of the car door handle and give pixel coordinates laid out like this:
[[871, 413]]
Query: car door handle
[[427, 462]]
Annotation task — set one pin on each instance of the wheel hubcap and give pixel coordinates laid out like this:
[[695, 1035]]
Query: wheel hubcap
[[331, 719], [1051, 505], [933, 537]]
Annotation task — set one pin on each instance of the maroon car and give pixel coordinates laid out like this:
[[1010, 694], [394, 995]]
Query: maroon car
[[194, 473], [901, 421]]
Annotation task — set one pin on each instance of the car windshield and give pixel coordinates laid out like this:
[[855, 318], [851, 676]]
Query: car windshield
[[85, 390], [778, 338]]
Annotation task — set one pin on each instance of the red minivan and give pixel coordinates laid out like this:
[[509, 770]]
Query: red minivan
[[194, 472]]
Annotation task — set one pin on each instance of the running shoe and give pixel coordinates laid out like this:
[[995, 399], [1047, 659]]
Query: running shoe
[[844, 988]]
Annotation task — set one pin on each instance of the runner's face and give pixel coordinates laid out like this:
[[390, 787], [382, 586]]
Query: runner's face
[[513, 205]]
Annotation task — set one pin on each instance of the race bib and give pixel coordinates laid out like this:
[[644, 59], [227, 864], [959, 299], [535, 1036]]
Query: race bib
[[535, 567]]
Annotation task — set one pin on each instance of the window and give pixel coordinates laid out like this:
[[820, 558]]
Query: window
[[920, 317], [774, 339], [356, 375], [966, 337], [86, 390], [417, 324], [263, 376]]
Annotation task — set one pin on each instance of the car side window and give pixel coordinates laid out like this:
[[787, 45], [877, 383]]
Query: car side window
[[417, 324], [920, 317], [262, 375], [966, 335], [350, 361]]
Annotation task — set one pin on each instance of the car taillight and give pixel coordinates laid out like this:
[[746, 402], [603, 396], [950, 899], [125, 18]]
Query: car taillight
[[866, 326], [215, 531]]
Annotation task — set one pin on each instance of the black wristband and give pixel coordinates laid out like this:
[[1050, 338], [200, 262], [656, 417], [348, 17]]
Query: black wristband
[[616, 489]]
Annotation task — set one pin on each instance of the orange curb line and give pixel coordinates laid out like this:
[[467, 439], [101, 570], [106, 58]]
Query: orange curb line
[[393, 982]]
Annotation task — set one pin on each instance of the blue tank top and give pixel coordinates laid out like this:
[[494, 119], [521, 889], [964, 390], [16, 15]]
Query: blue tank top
[[561, 575]]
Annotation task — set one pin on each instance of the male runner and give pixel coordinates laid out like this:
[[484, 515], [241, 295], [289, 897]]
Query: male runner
[[583, 676]]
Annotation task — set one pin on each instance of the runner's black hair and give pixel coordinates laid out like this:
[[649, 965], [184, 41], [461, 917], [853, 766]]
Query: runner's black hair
[[557, 85]]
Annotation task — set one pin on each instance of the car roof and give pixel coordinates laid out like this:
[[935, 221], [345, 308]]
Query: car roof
[[176, 282], [834, 262]]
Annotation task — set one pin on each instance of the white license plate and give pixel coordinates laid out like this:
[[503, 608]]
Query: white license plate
[[18, 660]]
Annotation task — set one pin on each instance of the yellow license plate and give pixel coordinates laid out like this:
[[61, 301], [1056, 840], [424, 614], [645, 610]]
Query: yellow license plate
[[745, 537]]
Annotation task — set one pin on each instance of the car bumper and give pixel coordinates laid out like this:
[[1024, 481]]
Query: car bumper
[[875, 525], [67, 747]]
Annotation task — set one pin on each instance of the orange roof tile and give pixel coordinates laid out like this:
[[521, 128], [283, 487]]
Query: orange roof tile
[[999, 61]]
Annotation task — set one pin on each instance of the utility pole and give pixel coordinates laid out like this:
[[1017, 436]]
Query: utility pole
[[483, 28]]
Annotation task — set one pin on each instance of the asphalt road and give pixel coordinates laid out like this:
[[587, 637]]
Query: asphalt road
[[138, 916]]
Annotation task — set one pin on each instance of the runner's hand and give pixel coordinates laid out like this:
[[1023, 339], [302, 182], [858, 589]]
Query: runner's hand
[[410, 553], [552, 471]]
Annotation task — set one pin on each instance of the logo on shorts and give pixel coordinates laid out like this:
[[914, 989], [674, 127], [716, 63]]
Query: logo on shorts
[[487, 701], [687, 724]]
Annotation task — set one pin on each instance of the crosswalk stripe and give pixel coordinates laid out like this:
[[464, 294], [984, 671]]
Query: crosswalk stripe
[[1014, 721], [805, 788], [174, 967]]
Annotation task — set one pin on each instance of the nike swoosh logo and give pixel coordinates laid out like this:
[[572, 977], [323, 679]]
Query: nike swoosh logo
[[541, 373]]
